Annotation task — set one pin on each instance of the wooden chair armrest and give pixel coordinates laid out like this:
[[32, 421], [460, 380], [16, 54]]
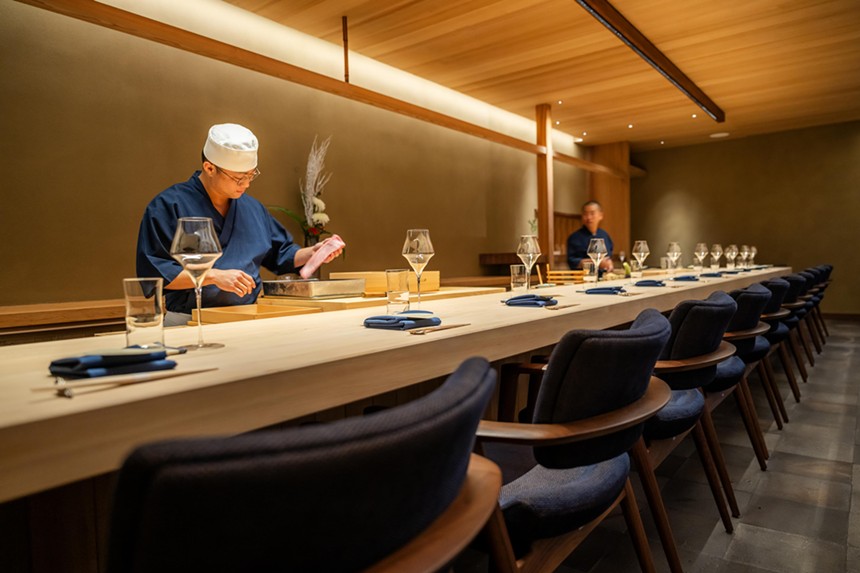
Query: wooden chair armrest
[[778, 315], [805, 297], [452, 531], [723, 351], [655, 397], [793, 305], [757, 330]]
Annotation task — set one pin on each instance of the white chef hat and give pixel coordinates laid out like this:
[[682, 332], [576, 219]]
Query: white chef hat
[[231, 146]]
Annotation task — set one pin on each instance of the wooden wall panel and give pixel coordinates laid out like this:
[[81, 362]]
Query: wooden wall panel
[[613, 192]]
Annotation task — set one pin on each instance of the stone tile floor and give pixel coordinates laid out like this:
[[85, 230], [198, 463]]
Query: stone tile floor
[[800, 516]]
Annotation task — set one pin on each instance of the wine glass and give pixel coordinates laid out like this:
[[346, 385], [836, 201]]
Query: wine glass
[[418, 250], [753, 253], [640, 252], [674, 253], [731, 253], [716, 253], [700, 252], [196, 247], [744, 254], [528, 251], [596, 251]]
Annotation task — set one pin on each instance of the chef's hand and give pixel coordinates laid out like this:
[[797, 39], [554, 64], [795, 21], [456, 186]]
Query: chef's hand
[[606, 264], [332, 256], [231, 280]]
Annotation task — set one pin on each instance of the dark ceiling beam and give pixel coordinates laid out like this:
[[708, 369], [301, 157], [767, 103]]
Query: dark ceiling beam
[[607, 15]]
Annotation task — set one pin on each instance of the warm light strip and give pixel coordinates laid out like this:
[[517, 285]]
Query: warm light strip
[[607, 15]]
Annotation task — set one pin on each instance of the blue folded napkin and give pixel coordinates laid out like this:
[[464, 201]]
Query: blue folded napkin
[[110, 363], [605, 290], [650, 283], [714, 275], [730, 272], [691, 278], [531, 300], [402, 321]]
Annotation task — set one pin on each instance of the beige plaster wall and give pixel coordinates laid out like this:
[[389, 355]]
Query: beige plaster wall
[[94, 123], [795, 195]]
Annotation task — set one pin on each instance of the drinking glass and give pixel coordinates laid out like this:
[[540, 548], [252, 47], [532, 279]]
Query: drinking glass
[[753, 253], [674, 253], [641, 252], [716, 253], [397, 290], [196, 247], [418, 250], [144, 312], [528, 251], [519, 278], [596, 251], [744, 254], [700, 252], [731, 253]]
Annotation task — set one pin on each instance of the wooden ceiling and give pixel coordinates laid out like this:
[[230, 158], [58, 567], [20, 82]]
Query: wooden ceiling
[[770, 65]]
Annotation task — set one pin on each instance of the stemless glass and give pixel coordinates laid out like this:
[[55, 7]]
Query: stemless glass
[[744, 254], [196, 247], [674, 253], [528, 251], [641, 252], [596, 251], [716, 253], [731, 253], [753, 253], [418, 250], [700, 252]]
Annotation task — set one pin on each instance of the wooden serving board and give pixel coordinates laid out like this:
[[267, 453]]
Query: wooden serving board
[[375, 282], [249, 312], [347, 303]]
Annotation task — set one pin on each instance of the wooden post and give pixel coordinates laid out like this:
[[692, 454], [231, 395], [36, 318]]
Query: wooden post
[[543, 117], [345, 27]]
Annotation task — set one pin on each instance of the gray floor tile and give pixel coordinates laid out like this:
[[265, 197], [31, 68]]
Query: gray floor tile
[[779, 551], [792, 517], [806, 490]]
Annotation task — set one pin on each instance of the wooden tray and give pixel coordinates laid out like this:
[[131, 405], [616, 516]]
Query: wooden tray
[[249, 312], [374, 281]]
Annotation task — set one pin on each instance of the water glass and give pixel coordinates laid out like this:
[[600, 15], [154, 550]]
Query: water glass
[[590, 271], [519, 278], [397, 290], [635, 269], [144, 312]]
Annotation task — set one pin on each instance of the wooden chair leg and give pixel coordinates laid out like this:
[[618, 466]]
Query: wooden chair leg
[[820, 316], [719, 461], [711, 473], [637, 530], [756, 441], [795, 350], [813, 332], [749, 404], [765, 371], [804, 341], [789, 371], [655, 502], [495, 535], [771, 399], [819, 324]]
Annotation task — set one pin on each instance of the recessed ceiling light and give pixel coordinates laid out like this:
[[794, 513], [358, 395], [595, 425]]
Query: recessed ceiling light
[[560, 102], [584, 133], [577, 140], [695, 116], [629, 126], [662, 142], [719, 135]]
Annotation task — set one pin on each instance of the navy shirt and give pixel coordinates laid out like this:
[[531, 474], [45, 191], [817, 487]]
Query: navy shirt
[[250, 238], [577, 245]]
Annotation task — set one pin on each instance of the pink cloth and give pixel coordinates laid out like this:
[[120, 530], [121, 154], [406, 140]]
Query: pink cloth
[[331, 245]]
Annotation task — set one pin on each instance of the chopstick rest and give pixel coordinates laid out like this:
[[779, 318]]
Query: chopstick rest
[[108, 363], [530, 300]]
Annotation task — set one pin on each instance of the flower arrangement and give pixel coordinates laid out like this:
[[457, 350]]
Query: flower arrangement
[[311, 188]]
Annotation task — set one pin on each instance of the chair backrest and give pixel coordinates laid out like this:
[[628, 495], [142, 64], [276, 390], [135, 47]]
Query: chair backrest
[[591, 372], [697, 328], [752, 301], [778, 289], [326, 497], [796, 287]]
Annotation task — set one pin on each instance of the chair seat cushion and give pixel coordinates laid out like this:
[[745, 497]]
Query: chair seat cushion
[[676, 417], [777, 334], [729, 373], [548, 502], [791, 322], [757, 352]]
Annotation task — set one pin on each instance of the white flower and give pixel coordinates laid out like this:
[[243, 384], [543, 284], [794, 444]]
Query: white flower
[[320, 219], [319, 205]]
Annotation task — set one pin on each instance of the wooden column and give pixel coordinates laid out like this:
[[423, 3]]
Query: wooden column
[[543, 119], [613, 192]]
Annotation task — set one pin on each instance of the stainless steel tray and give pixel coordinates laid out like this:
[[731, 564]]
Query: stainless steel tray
[[313, 288]]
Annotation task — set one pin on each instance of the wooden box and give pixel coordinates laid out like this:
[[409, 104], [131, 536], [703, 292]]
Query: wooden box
[[249, 312], [374, 281]]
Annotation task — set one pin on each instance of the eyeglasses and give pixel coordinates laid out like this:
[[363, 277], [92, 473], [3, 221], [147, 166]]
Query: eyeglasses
[[246, 178]]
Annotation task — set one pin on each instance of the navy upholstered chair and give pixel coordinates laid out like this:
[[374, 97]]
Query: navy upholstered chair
[[597, 391], [689, 362], [810, 302], [330, 497], [777, 336], [815, 293], [797, 306]]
